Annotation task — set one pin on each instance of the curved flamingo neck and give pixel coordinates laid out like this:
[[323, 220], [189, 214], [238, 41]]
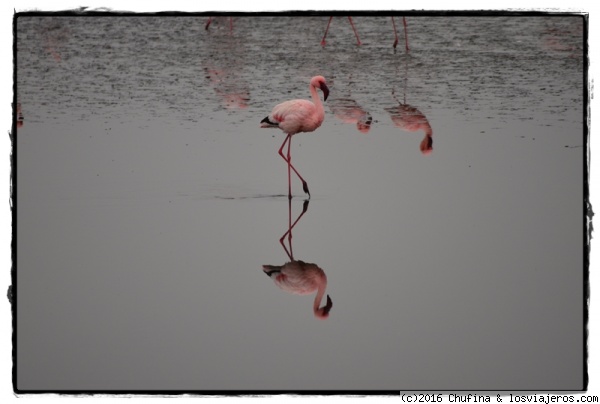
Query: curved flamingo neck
[[317, 100], [428, 129], [320, 293]]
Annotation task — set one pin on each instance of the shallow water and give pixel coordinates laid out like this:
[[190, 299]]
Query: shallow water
[[148, 199]]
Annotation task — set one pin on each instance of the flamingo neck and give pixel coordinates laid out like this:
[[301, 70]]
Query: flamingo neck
[[317, 101], [319, 295], [428, 130]]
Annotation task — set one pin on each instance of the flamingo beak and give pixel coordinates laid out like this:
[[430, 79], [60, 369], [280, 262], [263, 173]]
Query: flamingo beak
[[325, 90], [328, 306]]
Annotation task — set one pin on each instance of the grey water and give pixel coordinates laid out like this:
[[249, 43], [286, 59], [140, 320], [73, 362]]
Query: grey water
[[148, 199]]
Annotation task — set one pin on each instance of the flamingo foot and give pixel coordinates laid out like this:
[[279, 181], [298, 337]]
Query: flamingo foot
[[395, 43], [323, 42]]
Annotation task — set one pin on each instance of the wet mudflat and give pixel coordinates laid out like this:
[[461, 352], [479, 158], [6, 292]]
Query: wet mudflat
[[446, 204]]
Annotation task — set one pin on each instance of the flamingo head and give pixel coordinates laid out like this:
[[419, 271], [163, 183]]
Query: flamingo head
[[426, 145], [322, 313], [319, 82], [364, 123]]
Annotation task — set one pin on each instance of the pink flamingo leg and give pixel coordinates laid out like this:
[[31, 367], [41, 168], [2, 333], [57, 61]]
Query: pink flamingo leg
[[395, 33], [304, 183], [326, 30], [230, 25], [354, 29], [289, 161], [208, 23]]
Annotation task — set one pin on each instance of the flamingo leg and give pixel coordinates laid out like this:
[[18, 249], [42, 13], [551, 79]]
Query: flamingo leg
[[208, 23], [405, 34], [230, 25], [304, 183], [289, 161], [354, 29], [326, 30], [395, 33]]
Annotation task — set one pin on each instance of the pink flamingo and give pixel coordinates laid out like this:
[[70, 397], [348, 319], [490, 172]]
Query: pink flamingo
[[297, 116], [358, 39], [299, 277]]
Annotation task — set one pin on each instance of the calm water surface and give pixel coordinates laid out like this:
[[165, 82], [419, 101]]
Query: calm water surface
[[149, 199]]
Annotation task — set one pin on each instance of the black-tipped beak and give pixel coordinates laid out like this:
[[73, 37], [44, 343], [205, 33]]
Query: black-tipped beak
[[328, 306], [325, 90]]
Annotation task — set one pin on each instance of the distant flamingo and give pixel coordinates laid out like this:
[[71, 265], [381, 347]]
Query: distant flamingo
[[210, 20], [358, 39], [297, 116], [299, 277]]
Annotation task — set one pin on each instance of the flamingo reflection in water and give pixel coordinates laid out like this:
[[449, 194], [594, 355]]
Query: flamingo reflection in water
[[299, 277], [232, 91], [19, 115], [347, 110], [210, 20], [409, 118], [358, 42]]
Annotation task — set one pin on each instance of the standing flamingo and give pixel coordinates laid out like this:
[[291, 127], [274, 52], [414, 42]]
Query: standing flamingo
[[297, 116], [302, 278], [358, 42]]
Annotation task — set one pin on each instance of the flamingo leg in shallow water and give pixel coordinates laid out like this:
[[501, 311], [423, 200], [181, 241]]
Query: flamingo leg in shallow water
[[396, 33], [326, 30], [288, 160], [354, 29], [405, 34]]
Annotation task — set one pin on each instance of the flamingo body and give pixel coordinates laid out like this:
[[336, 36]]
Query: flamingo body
[[297, 116], [301, 278]]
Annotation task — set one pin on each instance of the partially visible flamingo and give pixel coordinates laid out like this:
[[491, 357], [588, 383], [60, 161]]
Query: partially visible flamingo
[[302, 278], [210, 20], [297, 116], [20, 119], [358, 39], [299, 277]]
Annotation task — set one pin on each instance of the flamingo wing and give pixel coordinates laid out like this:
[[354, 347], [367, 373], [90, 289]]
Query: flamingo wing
[[292, 117]]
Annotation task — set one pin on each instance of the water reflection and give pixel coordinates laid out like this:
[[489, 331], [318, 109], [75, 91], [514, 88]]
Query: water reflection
[[55, 36], [347, 110], [299, 277], [210, 20], [19, 116], [410, 119], [233, 92]]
